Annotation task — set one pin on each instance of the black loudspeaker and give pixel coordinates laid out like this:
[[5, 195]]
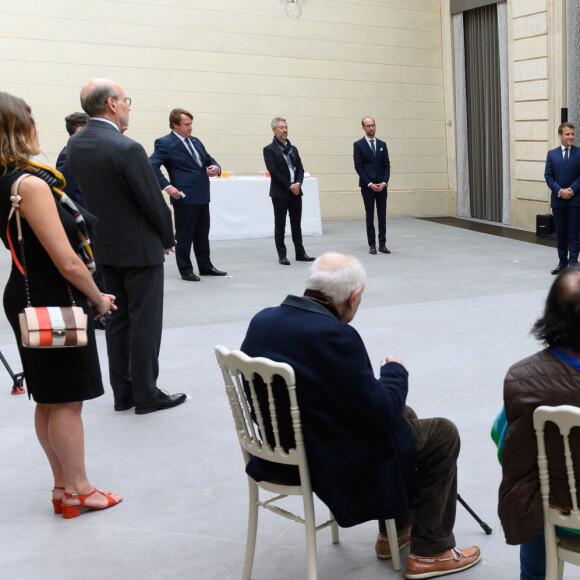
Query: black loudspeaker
[[544, 225], [563, 114]]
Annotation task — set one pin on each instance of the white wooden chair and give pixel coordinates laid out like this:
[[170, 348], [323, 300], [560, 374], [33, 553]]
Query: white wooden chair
[[558, 550], [235, 365]]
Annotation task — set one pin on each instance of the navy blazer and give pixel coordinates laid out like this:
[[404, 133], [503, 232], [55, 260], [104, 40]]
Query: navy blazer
[[279, 173], [371, 168], [120, 189], [71, 188], [361, 455], [184, 173], [559, 177]]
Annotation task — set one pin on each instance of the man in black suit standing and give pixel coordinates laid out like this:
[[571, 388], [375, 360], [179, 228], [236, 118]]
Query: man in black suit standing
[[371, 161], [133, 234], [287, 174], [189, 166]]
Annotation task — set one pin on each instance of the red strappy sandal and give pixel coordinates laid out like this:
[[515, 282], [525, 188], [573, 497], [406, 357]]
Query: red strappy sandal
[[56, 503], [72, 511]]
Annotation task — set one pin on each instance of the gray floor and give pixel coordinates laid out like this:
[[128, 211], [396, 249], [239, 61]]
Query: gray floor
[[455, 305]]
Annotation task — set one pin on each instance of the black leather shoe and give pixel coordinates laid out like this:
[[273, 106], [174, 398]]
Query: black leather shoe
[[372, 250], [384, 250], [163, 400], [124, 404], [284, 261], [212, 272], [191, 277], [558, 269], [305, 258]]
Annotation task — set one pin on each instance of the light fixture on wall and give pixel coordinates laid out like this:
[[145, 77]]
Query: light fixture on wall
[[293, 8]]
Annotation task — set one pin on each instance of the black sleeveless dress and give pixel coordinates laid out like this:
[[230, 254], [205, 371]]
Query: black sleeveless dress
[[61, 375]]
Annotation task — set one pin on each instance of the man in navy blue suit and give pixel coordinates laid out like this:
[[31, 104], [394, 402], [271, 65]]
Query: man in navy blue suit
[[562, 175], [369, 456], [371, 161], [189, 166], [73, 123]]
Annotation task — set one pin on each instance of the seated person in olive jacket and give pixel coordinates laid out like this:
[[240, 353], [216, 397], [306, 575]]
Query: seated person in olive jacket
[[369, 455]]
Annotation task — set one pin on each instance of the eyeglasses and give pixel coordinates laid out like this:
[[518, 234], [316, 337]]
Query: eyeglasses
[[369, 126], [126, 99]]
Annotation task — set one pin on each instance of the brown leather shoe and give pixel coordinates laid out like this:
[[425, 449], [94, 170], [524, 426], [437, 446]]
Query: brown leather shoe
[[453, 560], [372, 250], [383, 548], [384, 250]]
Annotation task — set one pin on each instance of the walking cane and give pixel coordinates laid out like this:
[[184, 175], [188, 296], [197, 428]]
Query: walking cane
[[486, 528], [17, 378]]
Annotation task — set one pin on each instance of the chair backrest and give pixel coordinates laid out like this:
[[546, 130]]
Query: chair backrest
[[251, 385], [565, 417]]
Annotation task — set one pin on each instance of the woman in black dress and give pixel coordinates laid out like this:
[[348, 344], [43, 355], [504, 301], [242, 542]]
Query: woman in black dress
[[59, 380]]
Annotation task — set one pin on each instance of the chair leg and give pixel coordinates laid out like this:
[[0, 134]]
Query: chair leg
[[252, 528], [553, 570], [394, 544], [310, 529], [334, 530]]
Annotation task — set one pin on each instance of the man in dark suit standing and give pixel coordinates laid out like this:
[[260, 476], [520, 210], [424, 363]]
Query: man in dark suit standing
[[371, 161], [369, 456], [189, 167], [133, 234], [287, 174], [562, 175], [73, 123]]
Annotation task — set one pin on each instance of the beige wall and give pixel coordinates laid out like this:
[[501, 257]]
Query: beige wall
[[237, 64], [537, 77]]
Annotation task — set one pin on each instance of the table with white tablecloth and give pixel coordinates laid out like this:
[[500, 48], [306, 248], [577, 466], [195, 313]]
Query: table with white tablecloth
[[242, 208]]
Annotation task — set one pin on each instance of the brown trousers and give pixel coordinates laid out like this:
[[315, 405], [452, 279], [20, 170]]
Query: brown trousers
[[432, 515]]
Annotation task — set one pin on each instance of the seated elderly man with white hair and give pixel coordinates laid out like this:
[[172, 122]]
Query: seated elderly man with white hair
[[370, 457]]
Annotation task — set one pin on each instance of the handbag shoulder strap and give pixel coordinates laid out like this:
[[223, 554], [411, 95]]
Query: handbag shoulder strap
[[15, 210], [16, 199]]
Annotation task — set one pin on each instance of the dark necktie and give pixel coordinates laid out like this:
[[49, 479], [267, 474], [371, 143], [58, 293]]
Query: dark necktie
[[190, 148], [566, 157], [373, 147]]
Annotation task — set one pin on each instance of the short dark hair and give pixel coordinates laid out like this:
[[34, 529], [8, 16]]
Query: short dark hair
[[74, 121], [175, 117], [566, 124], [560, 324]]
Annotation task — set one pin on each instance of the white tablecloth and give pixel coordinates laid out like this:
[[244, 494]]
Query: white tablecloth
[[242, 208]]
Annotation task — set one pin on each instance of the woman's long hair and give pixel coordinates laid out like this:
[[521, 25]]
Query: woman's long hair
[[16, 133]]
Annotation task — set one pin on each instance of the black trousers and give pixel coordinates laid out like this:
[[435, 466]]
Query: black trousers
[[133, 331], [370, 199], [192, 229], [293, 207], [433, 513]]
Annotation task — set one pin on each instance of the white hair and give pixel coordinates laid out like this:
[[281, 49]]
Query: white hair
[[337, 275], [276, 120]]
